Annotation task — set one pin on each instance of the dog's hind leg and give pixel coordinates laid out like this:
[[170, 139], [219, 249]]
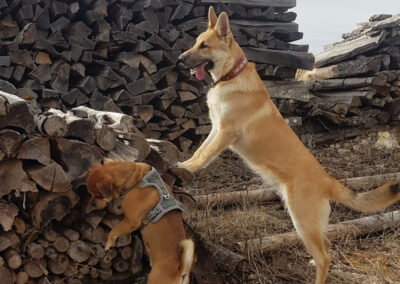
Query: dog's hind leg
[[309, 219]]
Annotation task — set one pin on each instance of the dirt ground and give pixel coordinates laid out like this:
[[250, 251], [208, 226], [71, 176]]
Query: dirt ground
[[368, 259]]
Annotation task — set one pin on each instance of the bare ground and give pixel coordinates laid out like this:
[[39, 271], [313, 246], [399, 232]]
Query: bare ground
[[373, 258]]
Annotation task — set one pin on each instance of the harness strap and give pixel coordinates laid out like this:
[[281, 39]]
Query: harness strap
[[166, 201]]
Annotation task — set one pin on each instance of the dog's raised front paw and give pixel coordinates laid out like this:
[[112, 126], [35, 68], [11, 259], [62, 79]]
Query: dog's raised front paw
[[187, 165]]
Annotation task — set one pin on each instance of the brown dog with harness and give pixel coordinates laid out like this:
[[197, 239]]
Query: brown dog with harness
[[148, 204]]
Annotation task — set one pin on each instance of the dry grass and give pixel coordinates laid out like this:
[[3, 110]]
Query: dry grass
[[368, 259]]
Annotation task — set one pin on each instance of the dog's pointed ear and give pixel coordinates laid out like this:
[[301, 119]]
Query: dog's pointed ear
[[222, 25], [212, 17]]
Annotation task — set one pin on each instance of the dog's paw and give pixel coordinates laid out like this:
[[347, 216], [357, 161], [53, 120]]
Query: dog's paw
[[109, 244], [187, 166]]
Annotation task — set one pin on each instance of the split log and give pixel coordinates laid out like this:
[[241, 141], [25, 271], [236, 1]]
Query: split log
[[342, 230], [35, 251], [35, 267], [51, 124], [80, 128], [10, 141], [37, 149], [51, 177], [75, 155], [8, 211], [13, 177], [52, 206], [263, 194], [59, 264], [130, 150], [61, 244], [79, 251], [22, 277], [117, 121], [168, 151], [7, 275], [12, 258]]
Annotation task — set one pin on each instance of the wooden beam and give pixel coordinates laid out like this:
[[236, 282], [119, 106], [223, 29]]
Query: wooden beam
[[294, 59]]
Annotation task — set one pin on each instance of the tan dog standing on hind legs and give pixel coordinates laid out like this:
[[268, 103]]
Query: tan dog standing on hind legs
[[171, 254], [246, 120]]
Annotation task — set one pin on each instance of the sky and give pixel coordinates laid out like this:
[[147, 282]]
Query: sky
[[324, 21]]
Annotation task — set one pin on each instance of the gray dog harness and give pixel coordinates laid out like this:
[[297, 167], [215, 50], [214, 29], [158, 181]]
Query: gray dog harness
[[166, 201]]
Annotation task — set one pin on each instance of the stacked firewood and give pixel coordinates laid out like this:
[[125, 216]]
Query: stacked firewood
[[121, 56], [354, 83], [49, 233]]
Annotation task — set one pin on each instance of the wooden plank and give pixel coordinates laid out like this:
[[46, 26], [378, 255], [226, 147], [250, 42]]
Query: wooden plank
[[348, 49], [294, 59], [299, 92]]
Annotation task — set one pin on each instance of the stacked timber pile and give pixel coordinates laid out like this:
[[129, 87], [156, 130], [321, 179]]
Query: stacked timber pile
[[48, 231], [354, 83], [121, 56]]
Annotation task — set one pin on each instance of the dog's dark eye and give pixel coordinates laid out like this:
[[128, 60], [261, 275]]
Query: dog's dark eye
[[202, 45]]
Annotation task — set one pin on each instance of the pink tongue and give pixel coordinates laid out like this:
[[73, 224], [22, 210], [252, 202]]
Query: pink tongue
[[200, 73]]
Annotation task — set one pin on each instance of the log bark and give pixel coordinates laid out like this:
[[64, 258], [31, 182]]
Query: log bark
[[117, 121], [342, 230], [263, 194]]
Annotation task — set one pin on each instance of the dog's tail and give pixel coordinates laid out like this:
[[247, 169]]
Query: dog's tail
[[370, 201], [187, 259]]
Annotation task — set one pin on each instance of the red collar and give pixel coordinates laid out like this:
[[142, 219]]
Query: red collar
[[236, 70]]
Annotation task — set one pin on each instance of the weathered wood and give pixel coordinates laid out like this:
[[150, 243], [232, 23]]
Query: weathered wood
[[50, 177], [348, 49], [8, 211], [76, 156], [357, 67], [51, 124], [117, 121], [294, 59], [52, 206], [14, 178], [342, 230], [10, 141], [18, 114]]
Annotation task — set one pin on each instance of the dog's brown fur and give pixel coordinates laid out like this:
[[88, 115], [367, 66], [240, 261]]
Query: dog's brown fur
[[171, 254], [246, 120]]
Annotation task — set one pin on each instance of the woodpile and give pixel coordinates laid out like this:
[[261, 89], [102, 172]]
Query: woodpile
[[121, 56], [49, 233], [354, 83]]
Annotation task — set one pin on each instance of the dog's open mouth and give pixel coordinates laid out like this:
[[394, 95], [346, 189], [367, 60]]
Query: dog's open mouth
[[200, 70]]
